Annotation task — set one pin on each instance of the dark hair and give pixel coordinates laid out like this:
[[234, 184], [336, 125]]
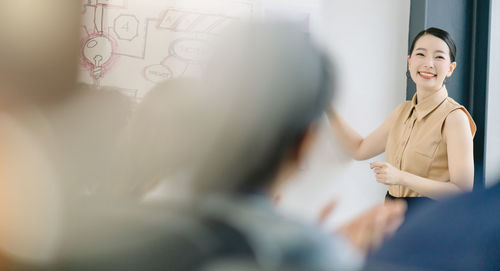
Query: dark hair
[[438, 33]]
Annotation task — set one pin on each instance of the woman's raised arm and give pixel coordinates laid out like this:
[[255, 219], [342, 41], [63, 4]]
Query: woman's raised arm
[[356, 146]]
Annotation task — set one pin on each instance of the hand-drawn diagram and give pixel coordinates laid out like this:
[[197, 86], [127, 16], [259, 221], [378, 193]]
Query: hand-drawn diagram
[[134, 44], [179, 62], [177, 20], [185, 55], [97, 49]]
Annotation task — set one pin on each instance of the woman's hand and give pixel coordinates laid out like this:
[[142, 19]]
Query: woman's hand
[[385, 173]]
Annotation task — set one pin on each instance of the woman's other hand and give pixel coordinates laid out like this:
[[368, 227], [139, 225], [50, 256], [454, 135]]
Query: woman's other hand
[[386, 173]]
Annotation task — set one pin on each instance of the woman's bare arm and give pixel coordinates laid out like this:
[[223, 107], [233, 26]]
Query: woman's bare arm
[[356, 146]]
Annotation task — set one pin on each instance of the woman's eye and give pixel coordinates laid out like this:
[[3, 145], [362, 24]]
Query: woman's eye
[[420, 54], [440, 57]]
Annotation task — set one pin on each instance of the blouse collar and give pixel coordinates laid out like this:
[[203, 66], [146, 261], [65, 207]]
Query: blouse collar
[[427, 105]]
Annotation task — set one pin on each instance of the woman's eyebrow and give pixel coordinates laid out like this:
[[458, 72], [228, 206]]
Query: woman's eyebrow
[[437, 51]]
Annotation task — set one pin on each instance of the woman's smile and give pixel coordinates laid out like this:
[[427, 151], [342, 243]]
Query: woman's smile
[[427, 75]]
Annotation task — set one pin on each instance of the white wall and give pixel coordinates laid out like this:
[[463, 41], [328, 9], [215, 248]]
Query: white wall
[[493, 114], [369, 40]]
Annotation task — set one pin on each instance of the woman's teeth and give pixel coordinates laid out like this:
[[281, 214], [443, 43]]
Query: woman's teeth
[[426, 75]]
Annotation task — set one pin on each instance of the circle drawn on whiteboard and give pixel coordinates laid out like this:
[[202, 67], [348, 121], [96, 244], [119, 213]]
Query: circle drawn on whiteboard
[[157, 73], [190, 49]]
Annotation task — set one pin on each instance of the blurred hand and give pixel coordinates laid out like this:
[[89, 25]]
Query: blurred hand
[[327, 210], [385, 173], [368, 231], [277, 199]]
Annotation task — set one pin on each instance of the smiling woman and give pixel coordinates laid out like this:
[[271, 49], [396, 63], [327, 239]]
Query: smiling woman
[[437, 45], [428, 140]]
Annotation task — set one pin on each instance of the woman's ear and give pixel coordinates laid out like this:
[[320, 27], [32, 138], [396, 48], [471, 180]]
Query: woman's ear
[[453, 65]]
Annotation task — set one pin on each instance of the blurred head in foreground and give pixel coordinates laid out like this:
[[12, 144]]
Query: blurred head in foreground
[[252, 112], [265, 88], [242, 128]]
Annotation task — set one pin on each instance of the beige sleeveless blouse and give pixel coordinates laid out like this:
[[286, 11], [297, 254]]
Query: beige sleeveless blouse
[[415, 143]]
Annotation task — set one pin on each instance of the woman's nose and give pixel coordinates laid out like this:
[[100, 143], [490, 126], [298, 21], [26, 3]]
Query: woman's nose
[[428, 62]]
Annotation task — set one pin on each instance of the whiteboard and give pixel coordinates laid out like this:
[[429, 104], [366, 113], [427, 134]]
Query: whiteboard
[[134, 44]]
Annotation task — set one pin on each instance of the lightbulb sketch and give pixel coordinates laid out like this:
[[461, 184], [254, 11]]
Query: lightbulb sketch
[[97, 51], [98, 48]]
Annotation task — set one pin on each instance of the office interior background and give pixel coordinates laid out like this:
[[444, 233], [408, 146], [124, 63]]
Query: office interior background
[[135, 44]]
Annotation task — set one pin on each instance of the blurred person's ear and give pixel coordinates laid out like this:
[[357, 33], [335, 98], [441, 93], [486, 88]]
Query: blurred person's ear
[[39, 54], [306, 142], [297, 155]]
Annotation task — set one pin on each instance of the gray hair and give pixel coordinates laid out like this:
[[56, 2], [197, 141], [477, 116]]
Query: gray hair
[[264, 87]]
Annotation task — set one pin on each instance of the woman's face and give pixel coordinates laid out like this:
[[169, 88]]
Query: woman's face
[[430, 63]]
